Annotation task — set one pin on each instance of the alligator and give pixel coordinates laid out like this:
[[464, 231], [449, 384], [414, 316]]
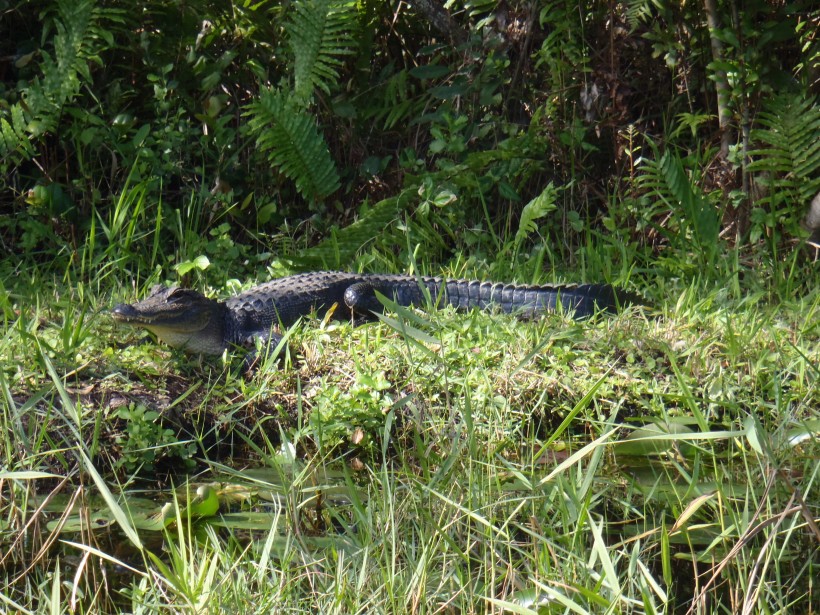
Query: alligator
[[186, 319]]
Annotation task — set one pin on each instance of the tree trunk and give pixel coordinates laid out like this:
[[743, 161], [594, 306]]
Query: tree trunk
[[721, 83]]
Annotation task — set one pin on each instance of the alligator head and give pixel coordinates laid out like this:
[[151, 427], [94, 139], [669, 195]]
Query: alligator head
[[180, 317]]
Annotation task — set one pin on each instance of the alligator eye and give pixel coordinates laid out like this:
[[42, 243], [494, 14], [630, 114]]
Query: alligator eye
[[178, 294]]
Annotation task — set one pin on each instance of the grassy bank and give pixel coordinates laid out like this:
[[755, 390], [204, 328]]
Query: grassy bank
[[660, 460]]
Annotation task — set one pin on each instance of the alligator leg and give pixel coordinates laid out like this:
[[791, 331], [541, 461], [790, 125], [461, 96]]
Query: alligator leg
[[268, 341], [361, 299]]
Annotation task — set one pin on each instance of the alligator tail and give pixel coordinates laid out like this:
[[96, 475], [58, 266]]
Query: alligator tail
[[521, 300], [527, 301]]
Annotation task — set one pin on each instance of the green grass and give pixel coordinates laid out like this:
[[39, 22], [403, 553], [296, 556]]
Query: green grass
[[656, 461]]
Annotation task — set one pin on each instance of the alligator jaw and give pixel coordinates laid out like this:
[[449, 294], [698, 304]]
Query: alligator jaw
[[179, 317]]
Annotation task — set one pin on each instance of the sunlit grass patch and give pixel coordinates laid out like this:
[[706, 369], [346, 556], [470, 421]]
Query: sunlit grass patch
[[434, 460]]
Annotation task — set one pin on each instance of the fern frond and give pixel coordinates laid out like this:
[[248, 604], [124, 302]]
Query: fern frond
[[638, 12], [786, 149], [293, 144], [321, 33], [340, 248], [666, 179], [61, 74], [539, 207], [79, 36], [13, 135]]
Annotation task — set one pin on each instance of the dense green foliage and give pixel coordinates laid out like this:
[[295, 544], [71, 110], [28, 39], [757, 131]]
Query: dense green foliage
[[292, 120], [657, 461]]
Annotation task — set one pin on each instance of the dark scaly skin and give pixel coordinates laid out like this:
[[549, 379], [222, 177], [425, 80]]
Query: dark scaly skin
[[186, 319]]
